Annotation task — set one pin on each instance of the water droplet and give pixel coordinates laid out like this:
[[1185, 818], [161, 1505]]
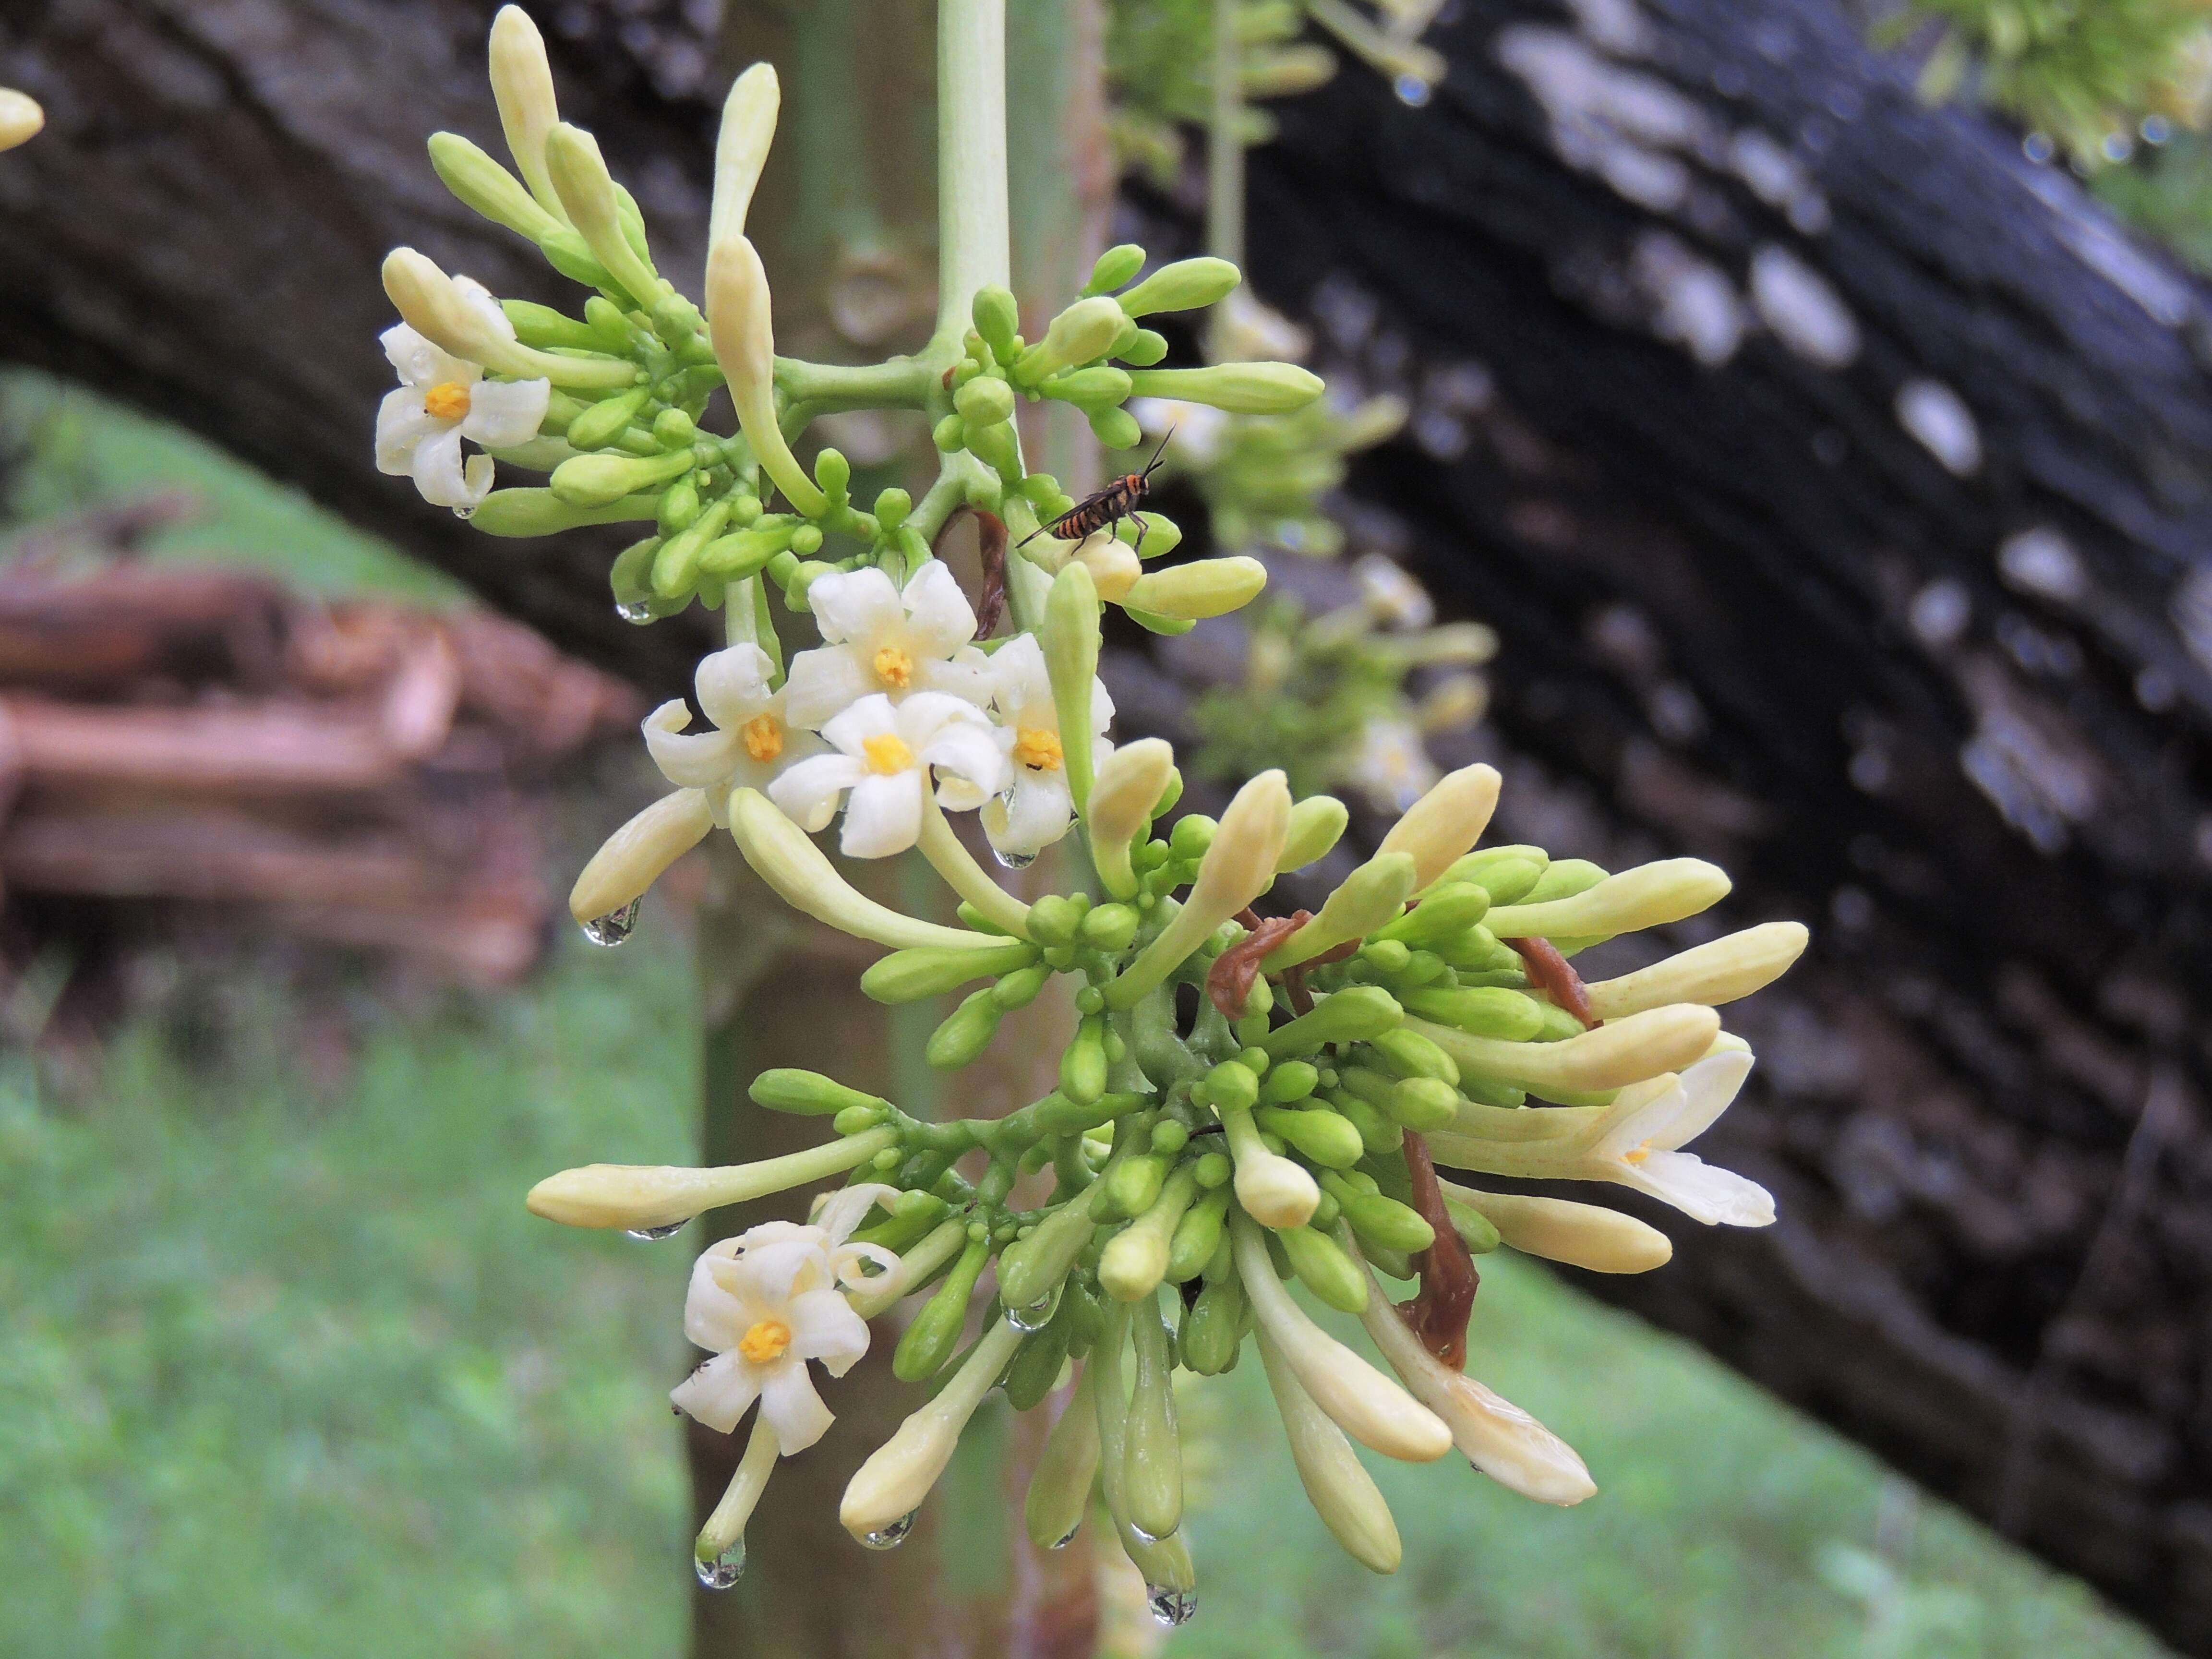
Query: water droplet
[[890, 1537], [1412, 92], [1068, 1537], [2038, 147], [1149, 1538], [1013, 861], [612, 928], [651, 1233], [2156, 130], [724, 1570], [635, 611], [1037, 1314], [1171, 1607]]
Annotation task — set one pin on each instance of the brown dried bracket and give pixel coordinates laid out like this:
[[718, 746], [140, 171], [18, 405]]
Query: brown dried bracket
[[1438, 1314], [1556, 976], [992, 543], [1230, 980]]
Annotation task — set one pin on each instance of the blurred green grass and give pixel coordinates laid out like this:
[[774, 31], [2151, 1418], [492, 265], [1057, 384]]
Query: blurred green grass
[[288, 1371]]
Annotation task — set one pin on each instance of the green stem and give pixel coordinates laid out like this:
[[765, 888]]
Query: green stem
[[973, 247], [1225, 151], [826, 388], [951, 860]]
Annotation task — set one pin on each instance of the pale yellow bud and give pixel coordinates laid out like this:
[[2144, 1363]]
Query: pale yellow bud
[[1587, 1236], [1317, 825], [1203, 587], [1495, 1435], [522, 86], [1719, 971], [587, 191], [1452, 706], [638, 1196], [1358, 1398], [740, 322], [1650, 895], [1112, 565], [1617, 1053], [1445, 822], [1237, 869], [1370, 897], [435, 308], [1129, 783], [899, 1473], [803, 877], [1273, 1190], [741, 149], [21, 118], [634, 857], [1337, 1483]]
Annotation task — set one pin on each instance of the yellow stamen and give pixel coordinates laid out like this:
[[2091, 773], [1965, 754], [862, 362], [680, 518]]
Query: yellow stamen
[[895, 667], [1038, 749], [764, 1342], [1637, 1154], [448, 400], [764, 736], [887, 753]]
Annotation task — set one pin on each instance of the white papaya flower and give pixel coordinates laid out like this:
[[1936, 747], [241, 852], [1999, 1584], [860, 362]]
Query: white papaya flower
[[885, 754], [442, 399], [1638, 1143], [766, 1302], [753, 741], [1038, 805], [888, 641]]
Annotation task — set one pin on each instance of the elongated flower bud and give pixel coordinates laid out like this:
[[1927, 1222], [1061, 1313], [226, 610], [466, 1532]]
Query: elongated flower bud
[[1203, 587], [1136, 1258], [1587, 1236], [1151, 1456], [433, 308], [726, 1525], [1363, 901], [522, 86], [1650, 895], [803, 877], [481, 183], [1353, 1015], [1069, 642], [1615, 1055], [640, 1196], [1086, 329], [1129, 782], [1273, 1190], [1185, 285], [1317, 825], [741, 323], [1721, 970], [741, 148], [601, 480], [898, 1474], [909, 975], [1362, 1402], [1238, 866], [1445, 822], [1060, 1485], [1337, 1483], [534, 511], [1028, 1270], [586, 189], [1495, 1435], [1238, 388], [21, 118], [1283, 71], [632, 859]]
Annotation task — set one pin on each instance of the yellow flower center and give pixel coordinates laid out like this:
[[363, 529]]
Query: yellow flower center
[[1637, 1154], [895, 667], [1037, 748], [763, 735], [887, 753], [765, 1341], [448, 400]]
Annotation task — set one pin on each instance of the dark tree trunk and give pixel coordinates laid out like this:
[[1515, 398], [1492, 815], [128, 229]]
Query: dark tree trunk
[[1746, 611]]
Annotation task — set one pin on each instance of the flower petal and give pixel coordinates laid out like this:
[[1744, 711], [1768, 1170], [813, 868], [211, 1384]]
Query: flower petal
[[733, 684], [884, 816], [1714, 1196], [841, 1211], [422, 365], [808, 792], [792, 1407], [822, 684], [1708, 1088], [437, 471], [482, 300], [504, 413], [871, 717], [970, 682], [854, 605], [940, 618], [401, 423], [972, 756], [718, 1392], [1033, 815], [823, 1326]]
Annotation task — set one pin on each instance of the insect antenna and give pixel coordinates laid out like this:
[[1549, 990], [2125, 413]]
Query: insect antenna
[[1152, 463]]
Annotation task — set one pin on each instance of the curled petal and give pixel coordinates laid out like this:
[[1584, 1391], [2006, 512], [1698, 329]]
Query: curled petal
[[808, 793], [733, 684], [720, 1392], [1700, 1191], [440, 475], [696, 761], [839, 1213], [792, 1408]]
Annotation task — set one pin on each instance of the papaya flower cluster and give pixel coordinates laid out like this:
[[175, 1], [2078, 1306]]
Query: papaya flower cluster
[[1250, 1101]]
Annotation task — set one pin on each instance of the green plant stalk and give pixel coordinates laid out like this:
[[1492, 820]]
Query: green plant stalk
[[974, 243], [1224, 156]]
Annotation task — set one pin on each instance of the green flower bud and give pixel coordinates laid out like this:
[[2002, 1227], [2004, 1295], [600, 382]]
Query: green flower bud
[[1449, 907], [998, 320], [676, 320], [603, 422], [997, 447], [596, 481], [1322, 1135], [908, 976], [1650, 895], [1198, 1231], [1316, 825], [1185, 285], [631, 578], [676, 567], [1214, 1169], [808, 1094], [1293, 1080], [1378, 1131], [1083, 1063], [679, 505], [1116, 429], [1353, 1015], [528, 512], [1203, 587], [1112, 926], [1238, 388], [1212, 1329], [806, 539], [481, 183], [1094, 389], [1323, 1268], [1070, 640], [1059, 1486], [1036, 1364], [1326, 1213], [737, 557], [854, 1119], [1159, 534], [1229, 1087], [1116, 266], [1028, 1270], [892, 505], [1132, 1185], [1410, 1054], [985, 401], [928, 1342], [1366, 899], [1152, 1461], [1148, 349], [834, 473], [595, 207], [1481, 1010], [1379, 1221], [1425, 1103], [964, 1033], [1019, 989], [1480, 1235], [674, 429], [542, 325], [1086, 330], [1562, 878], [1054, 919], [1192, 836]]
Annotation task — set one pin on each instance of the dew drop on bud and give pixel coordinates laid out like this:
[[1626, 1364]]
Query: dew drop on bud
[[651, 1233], [890, 1537], [464, 514], [1013, 861], [722, 1570], [1412, 92], [612, 928], [1171, 1607], [636, 610], [1068, 1537], [1037, 1314]]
